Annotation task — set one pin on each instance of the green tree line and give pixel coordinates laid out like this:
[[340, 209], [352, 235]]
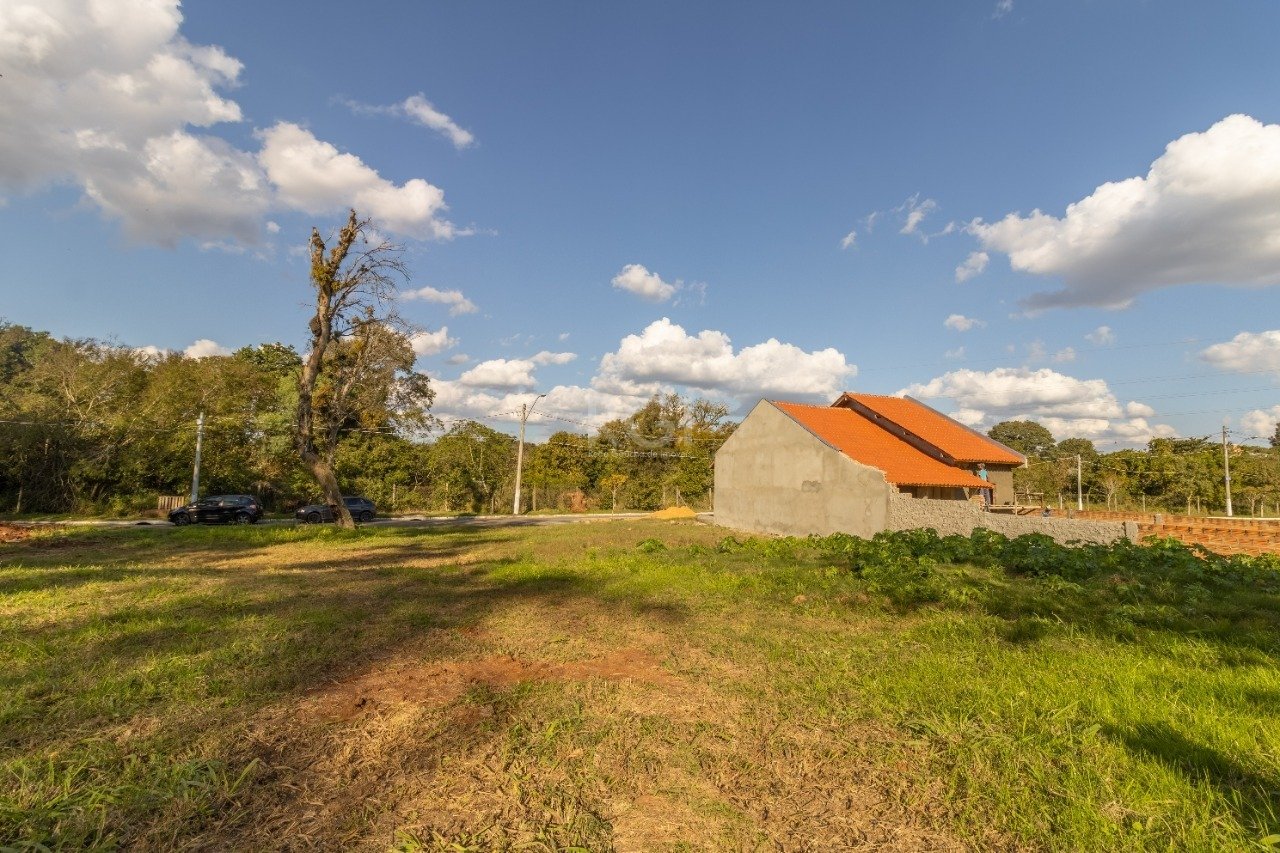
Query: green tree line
[[1177, 475], [94, 427]]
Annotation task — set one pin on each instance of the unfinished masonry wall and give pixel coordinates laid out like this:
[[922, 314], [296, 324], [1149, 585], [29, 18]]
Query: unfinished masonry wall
[[961, 517], [774, 476]]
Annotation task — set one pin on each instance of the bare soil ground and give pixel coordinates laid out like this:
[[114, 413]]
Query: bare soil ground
[[13, 532]]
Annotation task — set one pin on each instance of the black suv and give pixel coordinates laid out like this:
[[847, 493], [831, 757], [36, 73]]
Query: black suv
[[361, 509], [219, 509]]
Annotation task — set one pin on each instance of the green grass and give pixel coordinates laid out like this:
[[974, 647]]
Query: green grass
[[634, 684]]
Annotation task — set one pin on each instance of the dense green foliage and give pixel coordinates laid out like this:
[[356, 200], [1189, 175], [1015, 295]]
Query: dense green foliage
[[903, 565], [85, 424], [88, 426], [1027, 437]]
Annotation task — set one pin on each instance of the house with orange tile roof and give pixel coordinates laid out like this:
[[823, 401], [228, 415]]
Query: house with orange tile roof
[[940, 437], [795, 469]]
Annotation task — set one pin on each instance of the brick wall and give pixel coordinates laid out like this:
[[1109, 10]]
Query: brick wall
[[1226, 536]]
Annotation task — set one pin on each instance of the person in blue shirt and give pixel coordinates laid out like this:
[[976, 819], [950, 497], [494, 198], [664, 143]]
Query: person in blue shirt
[[986, 493]]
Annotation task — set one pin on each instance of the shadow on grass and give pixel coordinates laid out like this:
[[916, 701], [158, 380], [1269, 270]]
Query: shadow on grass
[[1254, 797], [1243, 622], [59, 562], [1264, 702], [198, 651], [232, 634]]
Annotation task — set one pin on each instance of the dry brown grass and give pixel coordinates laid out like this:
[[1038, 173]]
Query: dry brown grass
[[616, 731]]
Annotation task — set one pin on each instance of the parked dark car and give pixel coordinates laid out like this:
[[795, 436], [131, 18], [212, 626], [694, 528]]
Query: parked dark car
[[219, 509], [361, 509]]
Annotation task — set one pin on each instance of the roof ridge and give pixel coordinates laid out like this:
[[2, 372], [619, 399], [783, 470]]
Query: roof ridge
[[970, 429], [793, 403], [959, 441]]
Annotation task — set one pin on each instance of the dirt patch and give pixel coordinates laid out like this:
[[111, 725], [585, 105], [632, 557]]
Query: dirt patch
[[435, 684], [13, 532], [673, 513]]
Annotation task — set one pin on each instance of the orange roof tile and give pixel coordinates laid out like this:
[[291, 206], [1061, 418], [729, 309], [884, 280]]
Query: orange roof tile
[[862, 441], [954, 439]]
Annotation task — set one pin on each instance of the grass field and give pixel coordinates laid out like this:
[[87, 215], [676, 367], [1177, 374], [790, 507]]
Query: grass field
[[619, 685]]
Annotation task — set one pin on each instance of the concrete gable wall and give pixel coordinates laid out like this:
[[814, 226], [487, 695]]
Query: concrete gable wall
[[775, 476]]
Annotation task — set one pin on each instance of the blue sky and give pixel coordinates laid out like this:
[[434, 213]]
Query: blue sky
[[734, 200]]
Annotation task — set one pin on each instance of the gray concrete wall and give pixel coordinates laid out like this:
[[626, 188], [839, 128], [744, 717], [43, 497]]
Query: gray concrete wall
[[1001, 477], [775, 476], [948, 517]]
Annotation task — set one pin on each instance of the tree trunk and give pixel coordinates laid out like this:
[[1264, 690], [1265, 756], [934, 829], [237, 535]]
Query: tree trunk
[[323, 472]]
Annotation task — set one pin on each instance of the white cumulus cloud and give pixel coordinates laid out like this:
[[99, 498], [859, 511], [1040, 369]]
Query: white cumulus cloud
[[103, 95], [419, 110], [961, 323], [1261, 422], [972, 266], [634, 278], [1207, 211], [1135, 409], [312, 176], [1101, 337], [586, 407], [150, 352], [1136, 431], [1247, 352], [850, 239], [181, 186], [548, 357], [1067, 406], [500, 374], [458, 304], [511, 374], [665, 355], [914, 211], [432, 343], [109, 97], [204, 348]]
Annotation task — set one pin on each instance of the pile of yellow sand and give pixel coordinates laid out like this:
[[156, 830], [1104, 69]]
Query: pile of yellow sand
[[675, 512]]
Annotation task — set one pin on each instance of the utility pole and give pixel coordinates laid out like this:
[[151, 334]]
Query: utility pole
[[195, 471], [1079, 485], [1226, 468], [525, 411]]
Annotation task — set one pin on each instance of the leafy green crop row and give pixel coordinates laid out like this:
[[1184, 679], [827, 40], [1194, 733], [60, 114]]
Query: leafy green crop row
[[901, 564]]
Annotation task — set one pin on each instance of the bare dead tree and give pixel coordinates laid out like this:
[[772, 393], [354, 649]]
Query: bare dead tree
[[355, 347]]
